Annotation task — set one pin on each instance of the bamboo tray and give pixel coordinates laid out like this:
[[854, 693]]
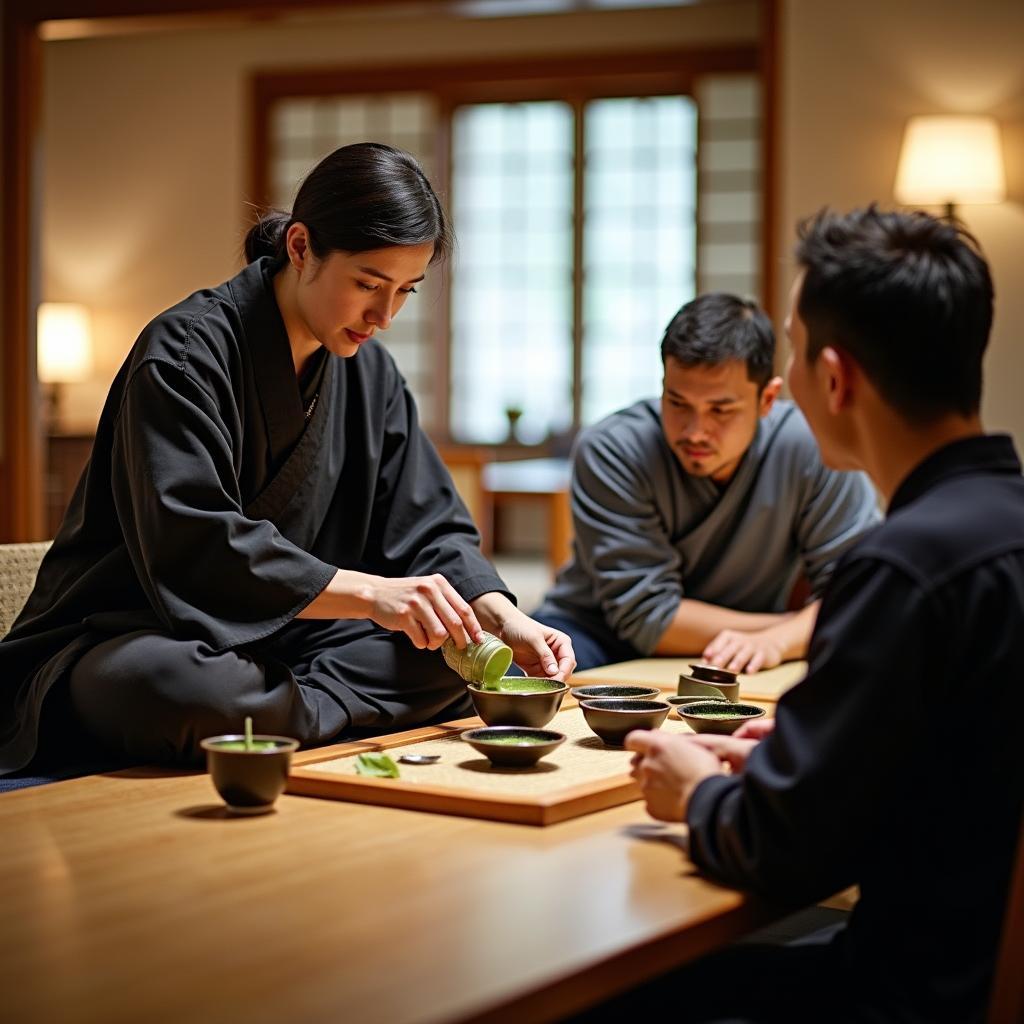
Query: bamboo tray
[[580, 777]]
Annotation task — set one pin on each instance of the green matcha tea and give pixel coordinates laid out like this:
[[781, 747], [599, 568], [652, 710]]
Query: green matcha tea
[[717, 714], [256, 747], [514, 741]]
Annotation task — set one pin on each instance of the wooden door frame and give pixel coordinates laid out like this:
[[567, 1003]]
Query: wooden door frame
[[21, 476]]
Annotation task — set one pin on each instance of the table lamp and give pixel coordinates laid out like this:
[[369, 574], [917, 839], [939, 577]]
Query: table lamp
[[950, 159], [63, 351]]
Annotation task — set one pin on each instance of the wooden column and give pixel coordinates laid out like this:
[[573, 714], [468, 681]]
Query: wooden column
[[21, 493]]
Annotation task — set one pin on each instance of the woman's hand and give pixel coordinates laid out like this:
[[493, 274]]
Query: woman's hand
[[538, 650], [428, 609]]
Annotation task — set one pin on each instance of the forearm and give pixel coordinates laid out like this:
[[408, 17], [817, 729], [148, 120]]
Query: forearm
[[696, 623], [493, 611], [795, 631], [348, 596]]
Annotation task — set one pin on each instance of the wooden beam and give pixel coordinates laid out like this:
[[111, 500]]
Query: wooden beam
[[21, 497]]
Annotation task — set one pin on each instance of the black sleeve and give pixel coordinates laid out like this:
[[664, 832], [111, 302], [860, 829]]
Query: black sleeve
[[420, 524], [793, 823], [208, 570]]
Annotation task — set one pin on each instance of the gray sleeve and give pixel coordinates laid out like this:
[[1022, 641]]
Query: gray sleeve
[[838, 509], [622, 542]]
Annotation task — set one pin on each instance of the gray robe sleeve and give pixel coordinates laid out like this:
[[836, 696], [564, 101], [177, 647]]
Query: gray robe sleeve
[[836, 512], [622, 540]]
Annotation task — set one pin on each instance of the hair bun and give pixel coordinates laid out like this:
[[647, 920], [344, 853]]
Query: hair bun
[[266, 236]]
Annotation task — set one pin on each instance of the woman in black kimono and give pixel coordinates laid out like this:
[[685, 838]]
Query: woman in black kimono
[[262, 518]]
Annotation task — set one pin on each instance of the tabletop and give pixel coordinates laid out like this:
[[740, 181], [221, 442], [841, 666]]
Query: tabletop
[[134, 896]]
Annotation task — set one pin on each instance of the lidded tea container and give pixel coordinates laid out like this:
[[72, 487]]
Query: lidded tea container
[[483, 663]]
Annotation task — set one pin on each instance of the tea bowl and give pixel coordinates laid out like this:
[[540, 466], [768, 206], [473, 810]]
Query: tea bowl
[[614, 691], [522, 700], [613, 719], [719, 716], [249, 780], [510, 746]]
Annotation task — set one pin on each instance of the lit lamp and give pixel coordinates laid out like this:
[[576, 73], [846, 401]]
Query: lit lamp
[[63, 350], [950, 159]]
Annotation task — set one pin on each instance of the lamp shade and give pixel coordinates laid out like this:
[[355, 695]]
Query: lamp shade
[[63, 342], [950, 159]]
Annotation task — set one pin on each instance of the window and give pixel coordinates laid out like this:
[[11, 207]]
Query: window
[[586, 212]]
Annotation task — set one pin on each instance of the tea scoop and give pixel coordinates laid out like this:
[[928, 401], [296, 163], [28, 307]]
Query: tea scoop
[[420, 758]]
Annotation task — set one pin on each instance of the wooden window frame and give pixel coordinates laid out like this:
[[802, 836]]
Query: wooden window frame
[[572, 80], [21, 485]]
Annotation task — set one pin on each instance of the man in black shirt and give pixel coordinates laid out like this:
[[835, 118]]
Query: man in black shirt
[[895, 764]]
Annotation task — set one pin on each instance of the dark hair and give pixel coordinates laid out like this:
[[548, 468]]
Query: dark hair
[[360, 197], [909, 297], [717, 328]]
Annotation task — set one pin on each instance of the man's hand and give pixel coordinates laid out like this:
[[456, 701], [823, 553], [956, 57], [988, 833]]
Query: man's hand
[[746, 652], [751, 650], [538, 649], [734, 752], [755, 730], [669, 767]]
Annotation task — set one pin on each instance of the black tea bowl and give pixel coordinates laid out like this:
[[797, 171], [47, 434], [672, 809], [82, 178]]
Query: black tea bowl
[[249, 780], [510, 746], [718, 716], [613, 719], [615, 691], [522, 700]]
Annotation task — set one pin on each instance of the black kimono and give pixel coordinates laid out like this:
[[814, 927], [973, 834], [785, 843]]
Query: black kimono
[[218, 503]]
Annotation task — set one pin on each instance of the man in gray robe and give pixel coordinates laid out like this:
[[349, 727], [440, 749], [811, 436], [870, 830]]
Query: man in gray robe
[[695, 517]]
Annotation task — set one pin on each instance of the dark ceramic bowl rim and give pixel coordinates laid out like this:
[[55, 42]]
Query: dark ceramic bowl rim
[[650, 691], [644, 706], [711, 670], [681, 710], [283, 744], [550, 735], [560, 688], [676, 699]]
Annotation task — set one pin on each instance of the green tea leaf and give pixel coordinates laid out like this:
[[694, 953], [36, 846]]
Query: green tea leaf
[[377, 765]]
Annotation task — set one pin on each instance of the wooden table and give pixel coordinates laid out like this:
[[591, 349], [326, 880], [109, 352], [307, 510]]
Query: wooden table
[[539, 480], [133, 897]]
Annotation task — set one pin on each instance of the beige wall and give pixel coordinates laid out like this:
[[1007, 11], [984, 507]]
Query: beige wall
[[145, 136], [851, 74], [145, 140]]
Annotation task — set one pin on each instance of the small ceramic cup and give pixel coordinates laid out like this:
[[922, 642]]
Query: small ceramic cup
[[709, 681], [249, 781], [483, 663]]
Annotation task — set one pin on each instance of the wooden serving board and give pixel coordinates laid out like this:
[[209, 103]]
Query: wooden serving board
[[580, 777]]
